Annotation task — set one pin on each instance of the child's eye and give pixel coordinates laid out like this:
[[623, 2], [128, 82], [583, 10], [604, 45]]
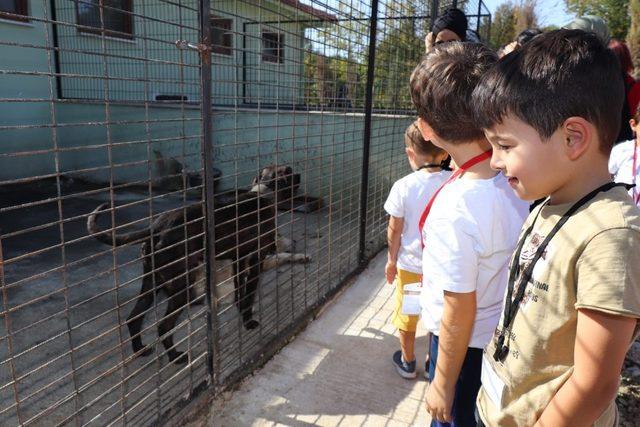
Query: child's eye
[[503, 147]]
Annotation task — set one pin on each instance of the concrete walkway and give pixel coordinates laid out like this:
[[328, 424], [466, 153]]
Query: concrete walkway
[[338, 372]]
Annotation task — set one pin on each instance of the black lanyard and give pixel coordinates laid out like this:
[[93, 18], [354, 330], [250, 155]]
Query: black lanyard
[[430, 165], [512, 304], [444, 165]]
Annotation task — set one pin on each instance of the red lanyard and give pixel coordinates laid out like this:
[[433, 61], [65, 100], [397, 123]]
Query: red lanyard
[[462, 169], [634, 192]]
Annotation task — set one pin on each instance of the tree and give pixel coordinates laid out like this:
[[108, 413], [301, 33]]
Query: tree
[[503, 28], [510, 19], [633, 35], [526, 15], [400, 48], [614, 12]]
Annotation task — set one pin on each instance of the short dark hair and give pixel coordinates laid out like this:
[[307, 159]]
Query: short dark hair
[[441, 87], [413, 138], [557, 75]]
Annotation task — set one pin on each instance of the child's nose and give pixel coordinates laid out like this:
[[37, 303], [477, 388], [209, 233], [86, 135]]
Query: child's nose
[[496, 162]]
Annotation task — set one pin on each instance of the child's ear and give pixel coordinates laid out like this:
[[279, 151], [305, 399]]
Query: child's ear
[[579, 135], [425, 130], [410, 153], [632, 124]]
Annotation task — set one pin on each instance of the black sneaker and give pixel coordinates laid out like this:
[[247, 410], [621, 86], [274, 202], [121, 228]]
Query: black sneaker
[[405, 369], [426, 371]]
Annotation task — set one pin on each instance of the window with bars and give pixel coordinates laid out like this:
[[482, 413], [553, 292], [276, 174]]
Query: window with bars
[[222, 36], [10, 8], [272, 47], [111, 17]]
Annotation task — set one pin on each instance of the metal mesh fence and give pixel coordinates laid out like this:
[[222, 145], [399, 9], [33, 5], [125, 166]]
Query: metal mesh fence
[[182, 185]]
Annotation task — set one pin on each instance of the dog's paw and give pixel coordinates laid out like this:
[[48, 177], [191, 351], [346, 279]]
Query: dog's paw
[[251, 324], [178, 357]]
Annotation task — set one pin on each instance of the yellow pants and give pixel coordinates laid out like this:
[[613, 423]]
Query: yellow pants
[[402, 321]]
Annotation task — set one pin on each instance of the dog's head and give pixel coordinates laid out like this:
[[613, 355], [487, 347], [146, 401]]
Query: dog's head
[[279, 179]]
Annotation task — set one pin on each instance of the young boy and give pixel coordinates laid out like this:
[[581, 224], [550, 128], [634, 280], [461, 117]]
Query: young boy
[[469, 231], [551, 111], [407, 199]]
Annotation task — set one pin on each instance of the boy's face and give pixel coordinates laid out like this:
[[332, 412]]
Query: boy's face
[[533, 167]]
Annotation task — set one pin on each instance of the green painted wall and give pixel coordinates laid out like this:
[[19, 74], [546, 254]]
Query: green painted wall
[[101, 141], [22, 50], [148, 65]]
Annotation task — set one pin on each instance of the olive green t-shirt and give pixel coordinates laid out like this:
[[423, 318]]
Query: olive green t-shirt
[[593, 262]]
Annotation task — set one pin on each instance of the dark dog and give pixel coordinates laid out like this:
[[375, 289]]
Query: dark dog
[[173, 251]]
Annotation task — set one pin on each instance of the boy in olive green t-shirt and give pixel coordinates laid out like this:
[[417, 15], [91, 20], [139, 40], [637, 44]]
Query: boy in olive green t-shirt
[[551, 112]]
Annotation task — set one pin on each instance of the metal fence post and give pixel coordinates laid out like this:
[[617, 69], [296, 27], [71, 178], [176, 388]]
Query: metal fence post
[[434, 12], [207, 153], [366, 143]]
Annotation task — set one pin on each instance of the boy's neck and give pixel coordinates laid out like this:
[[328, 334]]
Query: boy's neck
[[428, 164], [582, 183], [462, 153]]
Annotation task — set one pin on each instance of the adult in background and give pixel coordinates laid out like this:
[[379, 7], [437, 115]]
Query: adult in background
[[593, 24], [448, 27], [624, 57]]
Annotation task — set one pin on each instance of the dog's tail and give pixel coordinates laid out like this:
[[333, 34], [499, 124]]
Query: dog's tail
[[106, 237]]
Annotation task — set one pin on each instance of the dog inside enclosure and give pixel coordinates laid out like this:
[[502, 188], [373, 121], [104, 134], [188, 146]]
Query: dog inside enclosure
[[173, 251]]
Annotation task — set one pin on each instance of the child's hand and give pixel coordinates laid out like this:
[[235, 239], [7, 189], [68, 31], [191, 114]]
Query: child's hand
[[429, 42], [390, 271], [439, 402]]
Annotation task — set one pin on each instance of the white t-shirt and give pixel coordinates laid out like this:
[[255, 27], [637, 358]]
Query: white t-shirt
[[469, 236], [621, 163], [407, 199]]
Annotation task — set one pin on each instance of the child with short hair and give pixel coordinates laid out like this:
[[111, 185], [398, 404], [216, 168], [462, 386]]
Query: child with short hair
[[470, 229], [624, 161], [405, 203], [551, 111]]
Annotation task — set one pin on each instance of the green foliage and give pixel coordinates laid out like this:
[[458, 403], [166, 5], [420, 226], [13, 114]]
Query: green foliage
[[633, 35], [397, 54], [549, 28], [503, 27], [614, 12]]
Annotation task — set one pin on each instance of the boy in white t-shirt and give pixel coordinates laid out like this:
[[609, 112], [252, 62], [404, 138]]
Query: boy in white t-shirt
[[470, 231], [624, 160], [407, 199]]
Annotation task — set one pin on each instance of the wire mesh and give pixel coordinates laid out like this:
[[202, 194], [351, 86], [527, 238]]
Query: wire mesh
[[108, 314]]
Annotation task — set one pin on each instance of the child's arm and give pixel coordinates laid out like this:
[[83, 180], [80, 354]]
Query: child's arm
[[394, 233], [458, 317], [602, 341]]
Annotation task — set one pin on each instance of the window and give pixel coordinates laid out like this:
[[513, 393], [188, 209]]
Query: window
[[116, 14], [273, 47], [17, 7], [221, 36]]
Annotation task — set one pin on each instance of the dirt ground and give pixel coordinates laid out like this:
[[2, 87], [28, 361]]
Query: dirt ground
[[629, 392], [65, 348]]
